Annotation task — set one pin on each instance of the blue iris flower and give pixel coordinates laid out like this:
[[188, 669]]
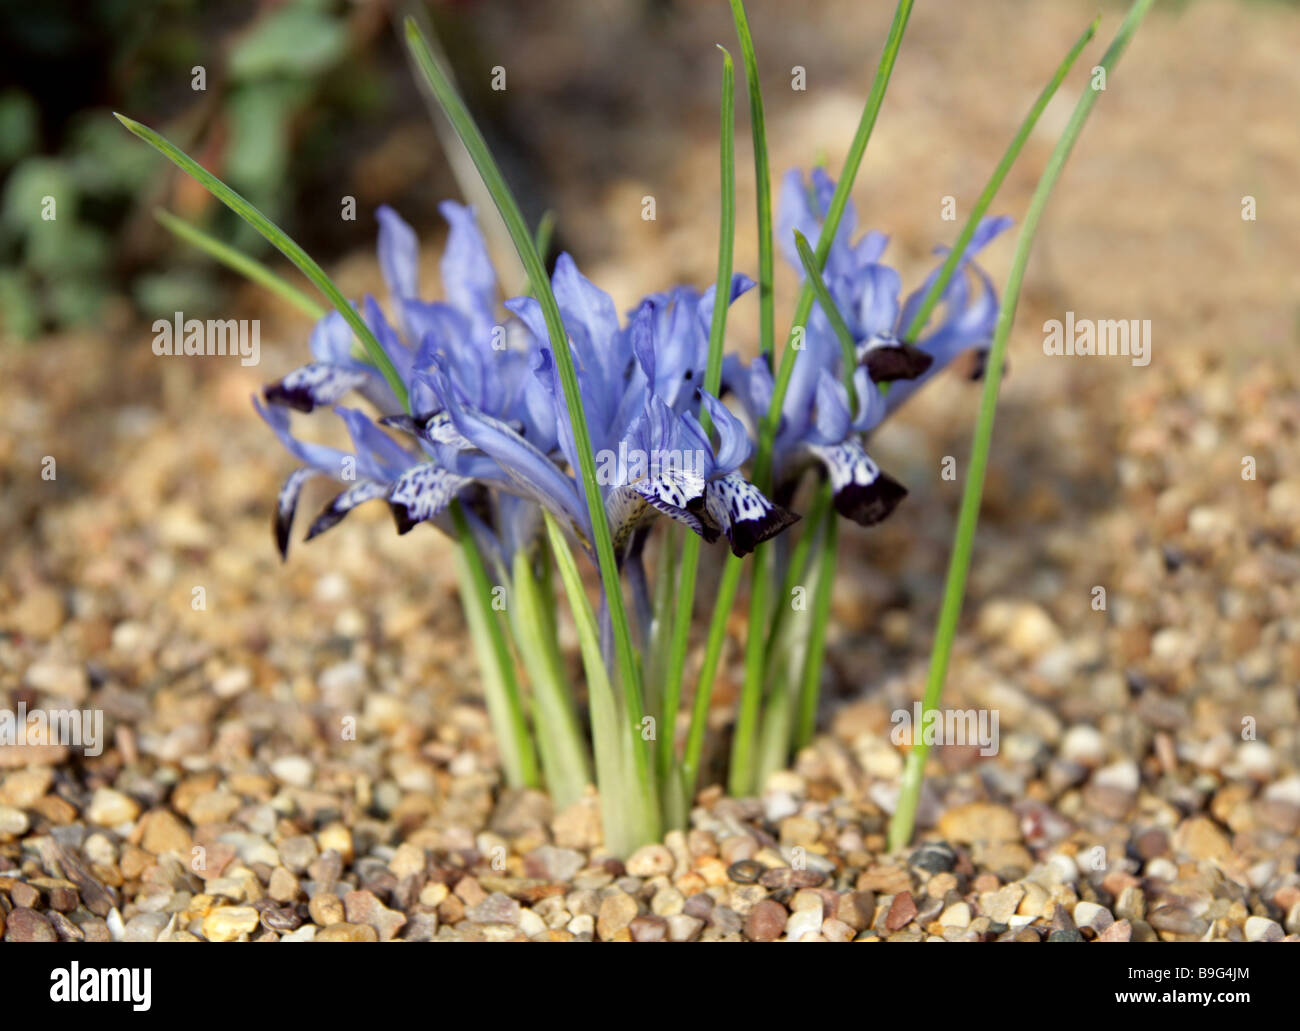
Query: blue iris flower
[[419, 477], [488, 421], [817, 425], [639, 389]]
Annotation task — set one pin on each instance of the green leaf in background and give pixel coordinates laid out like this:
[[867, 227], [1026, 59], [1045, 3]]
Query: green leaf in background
[[29, 184], [235, 259], [19, 131], [177, 289], [77, 302], [305, 263], [685, 601], [496, 665], [20, 304], [102, 160], [293, 40], [66, 248], [627, 660]]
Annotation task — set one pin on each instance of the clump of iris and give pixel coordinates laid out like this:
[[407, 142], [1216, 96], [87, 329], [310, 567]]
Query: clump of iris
[[486, 417]]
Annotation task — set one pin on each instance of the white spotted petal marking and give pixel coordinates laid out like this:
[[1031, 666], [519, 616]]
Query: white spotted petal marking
[[421, 493], [314, 384], [740, 510], [862, 492]]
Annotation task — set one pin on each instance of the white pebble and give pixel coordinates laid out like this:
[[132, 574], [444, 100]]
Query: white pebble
[[294, 770], [1286, 791], [1063, 868], [13, 821], [1256, 760], [1089, 914], [806, 921], [1083, 744], [232, 682], [530, 923], [1122, 776], [778, 805], [1261, 929]]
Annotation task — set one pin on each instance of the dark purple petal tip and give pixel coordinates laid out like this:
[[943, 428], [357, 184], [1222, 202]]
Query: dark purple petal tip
[[870, 503], [896, 361]]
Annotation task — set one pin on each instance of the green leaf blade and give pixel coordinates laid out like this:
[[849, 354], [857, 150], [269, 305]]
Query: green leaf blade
[[278, 239], [904, 818]]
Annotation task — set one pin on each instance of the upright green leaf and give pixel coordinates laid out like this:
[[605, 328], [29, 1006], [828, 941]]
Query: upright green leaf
[[463, 122], [900, 826], [675, 673]]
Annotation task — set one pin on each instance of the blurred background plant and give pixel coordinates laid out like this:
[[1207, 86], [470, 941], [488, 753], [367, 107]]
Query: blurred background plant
[[265, 108]]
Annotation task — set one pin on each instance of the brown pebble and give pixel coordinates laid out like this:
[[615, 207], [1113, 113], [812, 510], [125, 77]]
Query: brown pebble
[[885, 880], [283, 886], [648, 928], [362, 907], [1201, 838], [451, 910], [901, 911], [135, 861], [785, 877], [95, 930], [1177, 920], [766, 921], [469, 891], [67, 930], [342, 932], [856, 908], [1152, 843], [63, 899], [1119, 931], [326, 868], [24, 895], [280, 918], [27, 925], [325, 909], [56, 810], [979, 821], [746, 871], [699, 906], [616, 913], [701, 843]]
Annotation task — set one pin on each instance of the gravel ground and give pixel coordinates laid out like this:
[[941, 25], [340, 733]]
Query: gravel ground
[[314, 730]]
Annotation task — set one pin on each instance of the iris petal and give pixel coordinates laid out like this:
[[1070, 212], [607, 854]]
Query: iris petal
[[399, 254], [332, 514], [740, 510], [286, 504], [421, 493], [468, 278], [861, 491], [314, 384]]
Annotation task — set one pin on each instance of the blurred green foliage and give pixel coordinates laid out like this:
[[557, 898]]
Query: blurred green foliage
[[265, 67]]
